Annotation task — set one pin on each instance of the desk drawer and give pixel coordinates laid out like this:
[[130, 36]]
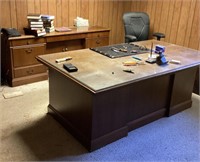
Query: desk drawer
[[27, 41], [26, 71], [25, 55], [97, 42]]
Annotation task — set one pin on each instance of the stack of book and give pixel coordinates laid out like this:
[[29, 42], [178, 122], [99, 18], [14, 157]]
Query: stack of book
[[48, 22], [35, 25]]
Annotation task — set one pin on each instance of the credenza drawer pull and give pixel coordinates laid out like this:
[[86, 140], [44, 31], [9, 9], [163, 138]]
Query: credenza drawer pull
[[98, 41], [30, 71], [29, 50], [65, 49]]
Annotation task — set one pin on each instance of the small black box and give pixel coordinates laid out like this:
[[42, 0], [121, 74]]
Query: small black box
[[70, 68]]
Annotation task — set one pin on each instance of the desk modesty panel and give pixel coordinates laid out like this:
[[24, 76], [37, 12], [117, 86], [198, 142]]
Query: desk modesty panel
[[101, 103]]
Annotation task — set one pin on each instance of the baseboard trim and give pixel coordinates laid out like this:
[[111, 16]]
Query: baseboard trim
[[109, 138], [89, 143], [180, 107], [146, 119], [93, 144]]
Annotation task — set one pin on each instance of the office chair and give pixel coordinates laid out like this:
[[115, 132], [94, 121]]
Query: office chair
[[136, 26]]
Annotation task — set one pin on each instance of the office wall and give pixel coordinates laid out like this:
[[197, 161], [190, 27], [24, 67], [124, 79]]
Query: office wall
[[99, 12], [178, 19]]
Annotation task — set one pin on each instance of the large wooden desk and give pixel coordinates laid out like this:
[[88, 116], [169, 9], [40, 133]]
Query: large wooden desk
[[19, 65], [100, 103]]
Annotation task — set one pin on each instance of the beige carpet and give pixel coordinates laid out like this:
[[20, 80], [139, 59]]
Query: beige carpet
[[27, 133]]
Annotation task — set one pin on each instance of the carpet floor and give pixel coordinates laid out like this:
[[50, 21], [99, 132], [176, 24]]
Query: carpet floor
[[28, 133]]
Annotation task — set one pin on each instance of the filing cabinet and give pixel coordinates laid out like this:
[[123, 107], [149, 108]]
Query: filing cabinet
[[19, 64]]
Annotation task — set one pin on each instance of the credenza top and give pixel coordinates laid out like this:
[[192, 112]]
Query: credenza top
[[97, 72], [75, 30]]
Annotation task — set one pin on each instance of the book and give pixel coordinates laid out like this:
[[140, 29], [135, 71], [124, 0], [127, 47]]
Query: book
[[49, 30], [37, 28], [36, 25], [48, 24], [33, 16], [36, 33], [41, 34], [62, 29], [35, 22], [47, 17]]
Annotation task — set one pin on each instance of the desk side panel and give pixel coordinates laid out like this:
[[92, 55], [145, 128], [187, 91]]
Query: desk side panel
[[182, 90], [109, 116], [149, 100], [71, 105]]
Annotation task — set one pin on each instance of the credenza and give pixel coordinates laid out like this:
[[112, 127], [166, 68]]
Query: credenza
[[19, 65]]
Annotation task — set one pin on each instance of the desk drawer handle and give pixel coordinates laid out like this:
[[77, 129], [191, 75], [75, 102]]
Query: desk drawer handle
[[29, 50]]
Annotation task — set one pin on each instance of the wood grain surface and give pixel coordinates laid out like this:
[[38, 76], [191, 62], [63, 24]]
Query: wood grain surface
[[178, 19], [98, 72]]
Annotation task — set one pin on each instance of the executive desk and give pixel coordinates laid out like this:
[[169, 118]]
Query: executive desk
[[101, 103]]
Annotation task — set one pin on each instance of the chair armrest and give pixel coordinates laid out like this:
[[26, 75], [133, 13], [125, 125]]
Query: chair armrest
[[130, 38], [159, 35]]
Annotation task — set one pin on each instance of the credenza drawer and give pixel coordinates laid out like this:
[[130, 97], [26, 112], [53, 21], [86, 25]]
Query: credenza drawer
[[25, 55], [26, 71], [65, 37], [27, 41], [63, 46], [98, 34]]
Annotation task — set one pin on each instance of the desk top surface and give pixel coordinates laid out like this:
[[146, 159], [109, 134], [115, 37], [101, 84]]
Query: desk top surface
[[97, 72]]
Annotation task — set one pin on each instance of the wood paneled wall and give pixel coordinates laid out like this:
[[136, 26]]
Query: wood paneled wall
[[178, 19]]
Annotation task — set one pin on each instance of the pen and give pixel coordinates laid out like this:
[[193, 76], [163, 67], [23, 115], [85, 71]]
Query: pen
[[151, 49], [137, 58], [128, 71], [63, 59]]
